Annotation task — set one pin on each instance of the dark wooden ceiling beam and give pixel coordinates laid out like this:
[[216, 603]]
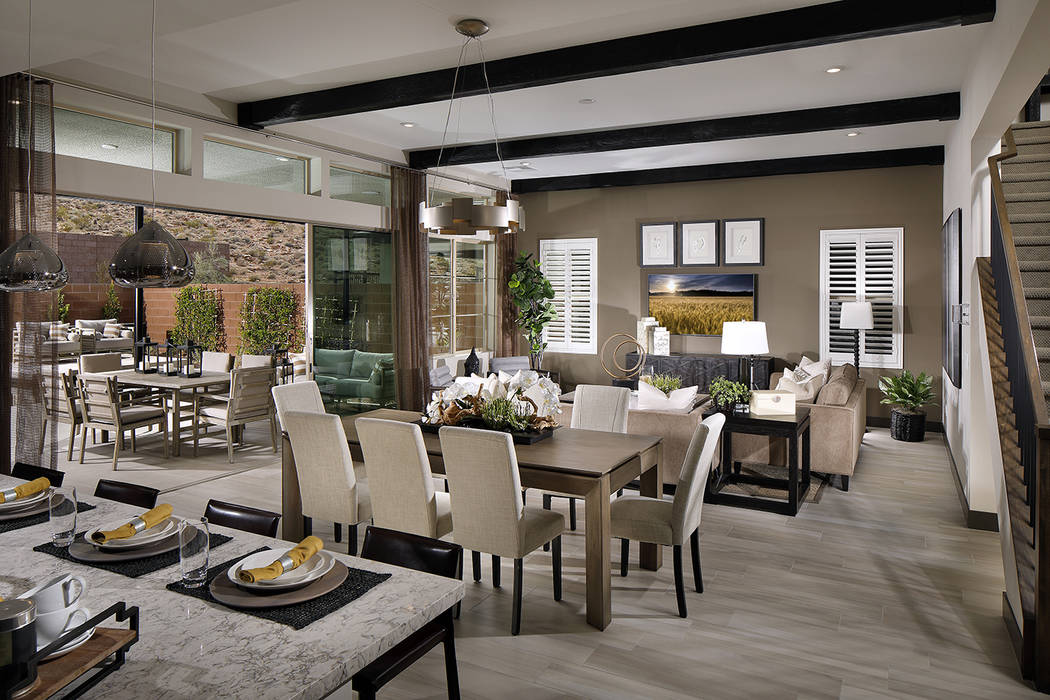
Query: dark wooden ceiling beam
[[926, 155], [855, 116], [815, 25]]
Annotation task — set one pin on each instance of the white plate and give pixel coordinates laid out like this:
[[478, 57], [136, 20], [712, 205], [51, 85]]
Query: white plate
[[24, 502], [312, 569], [61, 651], [165, 528]]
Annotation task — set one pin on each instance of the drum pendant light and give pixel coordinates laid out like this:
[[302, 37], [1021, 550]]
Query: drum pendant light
[[28, 264], [152, 257]]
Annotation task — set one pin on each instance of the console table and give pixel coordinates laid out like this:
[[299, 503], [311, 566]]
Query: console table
[[701, 370]]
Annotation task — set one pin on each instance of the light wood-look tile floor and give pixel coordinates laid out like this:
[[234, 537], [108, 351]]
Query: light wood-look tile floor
[[879, 592]]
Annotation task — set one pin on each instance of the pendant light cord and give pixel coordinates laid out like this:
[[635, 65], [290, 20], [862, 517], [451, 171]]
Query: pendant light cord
[[448, 115], [29, 129], [492, 106], [153, 110]]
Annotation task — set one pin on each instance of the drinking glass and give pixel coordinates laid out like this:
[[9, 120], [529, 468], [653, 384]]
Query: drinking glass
[[193, 551], [62, 512]]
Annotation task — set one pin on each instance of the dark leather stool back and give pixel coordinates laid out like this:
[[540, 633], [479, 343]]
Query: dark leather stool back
[[132, 494], [29, 472], [246, 518], [411, 551]]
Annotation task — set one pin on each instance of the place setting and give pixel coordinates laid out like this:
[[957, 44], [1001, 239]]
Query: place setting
[[33, 502], [293, 586]]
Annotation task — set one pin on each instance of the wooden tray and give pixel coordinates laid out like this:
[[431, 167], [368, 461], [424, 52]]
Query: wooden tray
[[227, 593], [56, 674], [526, 438], [85, 551]]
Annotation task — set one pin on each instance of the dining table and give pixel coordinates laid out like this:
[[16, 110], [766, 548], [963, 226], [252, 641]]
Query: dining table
[[190, 648], [587, 464]]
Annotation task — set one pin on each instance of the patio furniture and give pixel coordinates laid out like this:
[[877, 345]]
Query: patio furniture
[[248, 402], [245, 518], [62, 407], [251, 361], [42, 342], [96, 329], [132, 494], [355, 374], [104, 409]]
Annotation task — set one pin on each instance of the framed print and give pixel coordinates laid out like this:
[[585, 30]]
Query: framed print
[[744, 244], [656, 247], [699, 241], [692, 304]]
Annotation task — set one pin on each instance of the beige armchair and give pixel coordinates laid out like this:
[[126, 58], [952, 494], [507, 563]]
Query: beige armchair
[[104, 408], [670, 522], [248, 401], [61, 405]]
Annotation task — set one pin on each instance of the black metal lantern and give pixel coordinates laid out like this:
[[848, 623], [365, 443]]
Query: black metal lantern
[[149, 360], [170, 366], [190, 356]]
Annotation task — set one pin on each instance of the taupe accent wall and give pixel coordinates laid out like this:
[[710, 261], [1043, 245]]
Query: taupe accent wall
[[796, 208]]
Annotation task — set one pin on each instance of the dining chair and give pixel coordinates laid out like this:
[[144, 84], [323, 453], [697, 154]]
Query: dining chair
[[132, 494], [104, 408], [28, 472], [216, 361], [488, 508], [422, 554], [595, 407], [328, 486], [250, 361], [61, 406], [670, 522], [99, 362], [244, 518], [249, 401]]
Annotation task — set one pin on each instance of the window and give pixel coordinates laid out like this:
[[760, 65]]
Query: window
[[251, 166], [109, 140], [461, 282], [571, 264], [868, 265], [356, 186]]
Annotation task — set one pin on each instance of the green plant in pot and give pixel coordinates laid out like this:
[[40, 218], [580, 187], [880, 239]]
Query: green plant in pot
[[909, 395], [727, 395], [664, 382], [531, 292]]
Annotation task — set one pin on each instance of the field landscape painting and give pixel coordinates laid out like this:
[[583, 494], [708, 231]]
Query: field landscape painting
[[700, 304]]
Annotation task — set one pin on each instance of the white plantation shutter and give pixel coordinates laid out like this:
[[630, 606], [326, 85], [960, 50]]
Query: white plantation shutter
[[571, 265], [868, 265]]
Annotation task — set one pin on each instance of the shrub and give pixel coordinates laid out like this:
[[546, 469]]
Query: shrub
[[271, 317], [57, 308], [112, 307], [210, 265], [199, 317]]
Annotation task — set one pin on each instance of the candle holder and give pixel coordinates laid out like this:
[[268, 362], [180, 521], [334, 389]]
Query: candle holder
[[170, 366], [148, 361], [190, 355]]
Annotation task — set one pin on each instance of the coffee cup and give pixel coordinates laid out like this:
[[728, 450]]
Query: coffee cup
[[52, 625], [58, 593]]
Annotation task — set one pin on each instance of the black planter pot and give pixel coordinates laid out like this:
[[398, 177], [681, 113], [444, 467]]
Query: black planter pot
[[907, 427]]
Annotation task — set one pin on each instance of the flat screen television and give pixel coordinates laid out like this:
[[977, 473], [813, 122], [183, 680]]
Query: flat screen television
[[687, 304]]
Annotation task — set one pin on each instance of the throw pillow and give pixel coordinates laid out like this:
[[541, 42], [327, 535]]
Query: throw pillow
[[652, 399], [58, 331], [805, 391], [814, 367], [111, 330], [836, 392]]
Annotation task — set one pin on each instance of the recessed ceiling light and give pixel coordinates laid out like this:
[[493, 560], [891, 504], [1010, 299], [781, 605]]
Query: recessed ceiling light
[[833, 69], [853, 133], [525, 163], [408, 125], [588, 101], [282, 159], [109, 146]]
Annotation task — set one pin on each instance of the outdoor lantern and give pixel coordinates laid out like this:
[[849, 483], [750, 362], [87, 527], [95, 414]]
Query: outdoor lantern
[[170, 366], [189, 359], [148, 361]]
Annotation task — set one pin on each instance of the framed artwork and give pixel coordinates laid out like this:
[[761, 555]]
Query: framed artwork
[[656, 245], [744, 244], [692, 304], [699, 241]]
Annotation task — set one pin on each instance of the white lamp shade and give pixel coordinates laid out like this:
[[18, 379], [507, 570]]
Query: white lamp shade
[[856, 315], [744, 338]]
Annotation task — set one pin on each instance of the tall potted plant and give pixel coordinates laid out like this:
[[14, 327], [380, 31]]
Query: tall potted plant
[[909, 395], [531, 292]]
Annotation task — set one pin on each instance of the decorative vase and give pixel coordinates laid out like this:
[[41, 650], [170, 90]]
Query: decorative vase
[[472, 365], [535, 360], [907, 427]]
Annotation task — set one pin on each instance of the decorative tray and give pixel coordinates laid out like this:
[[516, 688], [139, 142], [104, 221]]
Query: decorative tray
[[520, 438]]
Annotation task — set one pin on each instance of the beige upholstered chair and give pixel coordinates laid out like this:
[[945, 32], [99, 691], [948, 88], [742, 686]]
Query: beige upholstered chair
[[248, 401], [100, 362], [61, 406], [596, 407], [328, 487], [216, 361], [301, 396], [670, 522], [488, 509], [403, 496], [104, 408], [249, 361]]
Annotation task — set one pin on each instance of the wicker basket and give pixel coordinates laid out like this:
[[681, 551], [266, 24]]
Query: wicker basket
[[907, 427]]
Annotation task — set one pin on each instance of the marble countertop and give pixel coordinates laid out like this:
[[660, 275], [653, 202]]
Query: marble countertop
[[189, 648]]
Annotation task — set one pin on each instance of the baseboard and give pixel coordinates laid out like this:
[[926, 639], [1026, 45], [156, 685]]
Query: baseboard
[[934, 426], [975, 519], [1023, 652]]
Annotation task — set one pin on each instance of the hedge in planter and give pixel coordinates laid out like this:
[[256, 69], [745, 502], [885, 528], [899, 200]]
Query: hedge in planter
[[199, 317], [271, 318], [909, 395]]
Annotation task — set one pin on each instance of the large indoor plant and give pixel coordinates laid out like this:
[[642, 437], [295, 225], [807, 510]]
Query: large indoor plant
[[908, 394], [531, 292]]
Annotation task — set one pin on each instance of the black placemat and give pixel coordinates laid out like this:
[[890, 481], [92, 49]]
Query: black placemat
[[131, 569], [37, 519], [298, 616]]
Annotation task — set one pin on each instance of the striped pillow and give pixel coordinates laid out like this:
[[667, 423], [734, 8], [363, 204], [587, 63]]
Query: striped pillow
[[111, 330], [58, 331]]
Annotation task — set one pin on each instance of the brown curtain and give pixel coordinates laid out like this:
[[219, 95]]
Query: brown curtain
[[411, 305], [26, 131], [506, 330]]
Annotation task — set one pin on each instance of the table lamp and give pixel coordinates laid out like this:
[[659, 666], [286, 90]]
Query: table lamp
[[856, 316], [745, 338]]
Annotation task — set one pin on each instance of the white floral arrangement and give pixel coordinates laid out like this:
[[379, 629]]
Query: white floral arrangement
[[531, 394]]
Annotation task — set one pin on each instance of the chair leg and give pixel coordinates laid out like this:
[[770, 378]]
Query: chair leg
[[475, 563], [625, 555], [515, 621], [572, 514], [694, 546], [451, 670], [273, 430], [164, 430], [72, 441], [351, 540], [43, 433], [338, 532], [845, 482], [83, 442], [133, 445], [229, 443], [679, 584], [459, 575], [495, 571], [308, 526], [117, 440], [196, 431], [556, 565], [546, 506]]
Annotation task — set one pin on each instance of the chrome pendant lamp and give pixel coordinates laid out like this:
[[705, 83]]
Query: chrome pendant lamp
[[28, 264], [152, 257], [462, 216]]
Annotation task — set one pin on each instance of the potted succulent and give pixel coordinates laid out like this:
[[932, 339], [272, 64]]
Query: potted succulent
[[908, 394], [728, 395]]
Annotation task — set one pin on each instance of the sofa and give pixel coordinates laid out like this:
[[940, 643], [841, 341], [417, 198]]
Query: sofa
[[837, 419], [91, 331], [355, 374], [68, 345]]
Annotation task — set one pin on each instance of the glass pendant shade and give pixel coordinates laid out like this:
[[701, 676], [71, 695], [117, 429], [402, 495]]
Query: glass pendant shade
[[29, 265], [151, 258]]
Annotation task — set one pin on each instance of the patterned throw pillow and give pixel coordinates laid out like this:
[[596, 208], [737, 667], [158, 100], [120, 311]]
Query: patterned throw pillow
[[58, 331], [799, 374], [111, 330]]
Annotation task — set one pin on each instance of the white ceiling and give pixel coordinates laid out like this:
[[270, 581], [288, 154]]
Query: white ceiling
[[236, 50]]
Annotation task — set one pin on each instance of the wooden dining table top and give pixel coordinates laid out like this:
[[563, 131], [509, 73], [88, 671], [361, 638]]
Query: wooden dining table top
[[163, 381], [591, 453]]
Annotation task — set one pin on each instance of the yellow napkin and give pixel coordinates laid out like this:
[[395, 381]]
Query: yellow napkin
[[299, 554], [30, 488], [151, 517]]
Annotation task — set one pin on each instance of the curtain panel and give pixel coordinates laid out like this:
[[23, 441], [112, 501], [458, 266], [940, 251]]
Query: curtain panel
[[411, 305]]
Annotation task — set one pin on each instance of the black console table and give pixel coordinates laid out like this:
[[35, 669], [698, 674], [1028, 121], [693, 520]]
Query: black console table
[[701, 370]]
